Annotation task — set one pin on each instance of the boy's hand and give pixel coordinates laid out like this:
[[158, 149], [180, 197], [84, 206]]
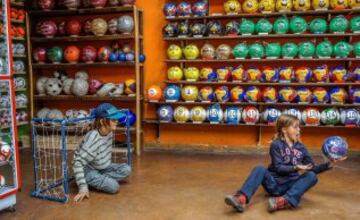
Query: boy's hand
[[301, 167], [81, 195]]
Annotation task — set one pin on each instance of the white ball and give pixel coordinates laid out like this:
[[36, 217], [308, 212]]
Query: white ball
[[106, 89], [4, 101], [55, 114], [42, 113], [67, 86], [80, 87], [198, 114], [21, 100], [53, 87], [5, 151], [82, 74], [40, 85]]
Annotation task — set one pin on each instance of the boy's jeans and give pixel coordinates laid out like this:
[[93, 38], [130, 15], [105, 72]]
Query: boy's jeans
[[106, 180], [292, 190]]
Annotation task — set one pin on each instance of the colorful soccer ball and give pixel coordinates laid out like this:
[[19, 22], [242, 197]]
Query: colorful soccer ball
[[198, 114], [294, 112], [130, 87], [330, 116], [339, 74], [215, 114], [334, 148], [200, 8], [189, 93], [191, 52], [237, 94], [125, 24], [270, 115], [184, 29], [238, 74], [232, 115], [183, 9], [286, 74], [170, 30], [175, 73], [250, 115], [222, 94], [356, 74], [208, 52], [250, 6], [172, 93], [72, 54], [355, 95], [206, 94], [302, 5], [214, 28], [181, 114], [306, 49], [355, 24], [263, 26], [154, 93], [174, 52], [88, 54], [170, 9], [272, 50], [287, 94], [99, 26], [191, 73], [320, 95], [321, 74], [357, 49], [223, 74], [232, 7], [338, 95], [349, 117], [252, 94], [104, 53], [303, 95], [289, 50], [311, 116], [354, 4], [208, 74], [267, 5], [269, 95], [270, 74], [342, 49], [232, 28], [303, 74], [253, 74], [165, 113]]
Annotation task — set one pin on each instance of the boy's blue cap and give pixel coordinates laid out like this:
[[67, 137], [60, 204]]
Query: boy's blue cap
[[107, 110]]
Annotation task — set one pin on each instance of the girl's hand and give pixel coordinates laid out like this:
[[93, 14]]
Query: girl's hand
[[339, 160], [301, 167], [81, 195]]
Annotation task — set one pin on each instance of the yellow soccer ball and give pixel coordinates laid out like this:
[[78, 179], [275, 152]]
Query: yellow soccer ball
[[189, 93], [354, 3], [320, 4], [181, 114], [283, 5], [175, 73], [302, 5], [338, 4], [191, 52], [174, 52], [267, 5], [198, 114], [232, 7], [191, 74], [250, 6]]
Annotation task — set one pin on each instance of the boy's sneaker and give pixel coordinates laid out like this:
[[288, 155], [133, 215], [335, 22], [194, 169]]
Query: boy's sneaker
[[277, 203], [237, 201]]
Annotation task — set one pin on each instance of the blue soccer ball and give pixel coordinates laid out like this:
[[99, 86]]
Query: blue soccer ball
[[215, 114], [270, 115], [165, 113], [172, 93], [122, 57], [232, 115], [349, 117], [335, 148], [129, 117], [113, 57]]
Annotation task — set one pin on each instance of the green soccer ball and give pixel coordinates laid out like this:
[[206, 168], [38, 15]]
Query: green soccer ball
[[273, 50], [289, 50], [240, 51], [306, 49], [357, 49], [263, 26], [324, 49], [298, 25], [342, 49], [339, 24], [281, 25], [318, 26], [355, 24], [55, 54], [330, 116], [256, 50], [247, 27]]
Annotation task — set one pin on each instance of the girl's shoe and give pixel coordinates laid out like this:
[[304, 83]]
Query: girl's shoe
[[237, 201], [277, 203]]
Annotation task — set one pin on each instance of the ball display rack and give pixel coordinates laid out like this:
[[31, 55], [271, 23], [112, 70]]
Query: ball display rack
[[136, 67], [232, 40]]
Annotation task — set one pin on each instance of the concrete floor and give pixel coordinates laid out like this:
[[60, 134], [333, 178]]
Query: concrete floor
[[183, 186]]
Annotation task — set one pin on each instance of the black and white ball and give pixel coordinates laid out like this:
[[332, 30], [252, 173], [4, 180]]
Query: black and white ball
[[61, 75], [82, 74], [80, 87], [53, 86], [106, 89]]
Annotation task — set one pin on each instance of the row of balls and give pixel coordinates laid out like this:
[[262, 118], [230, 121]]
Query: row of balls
[[18, 65], [5, 118], [97, 27], [322, 73], [251, 115], [17, 48], [48, 5], [81, 85], [200, 8], [5, 153], [20, 83], [282, 25], [17, 14], [257, 50], [87, 54], [16, 30], [21, 101], [253, 94]]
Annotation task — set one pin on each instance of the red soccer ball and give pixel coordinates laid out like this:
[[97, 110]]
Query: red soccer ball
[[73, 27], [127, 2], [39, 54], [98, 3], [47, 28], [95, 85], [88, 54], [46, 5]]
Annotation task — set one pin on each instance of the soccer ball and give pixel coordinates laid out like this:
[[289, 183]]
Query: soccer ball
[[67, 86], [287, 94], [349, 116], [40, 85], [206, 94], [267, 5], [125, 24], [256, 51], [208, 74], [355, 95], [189, 93], [208, 52], [222, 94], [200, 8], [320, 95], [183, 9], [321, 74], [170, 9], [253, 94], [172, 93], [286, 74], [250, 115], [154, 93], [223, 74], [270, 95], [98, 26], [294, 112], [334, 148], [130, 87], [238, 74], [263, 26], [302, 5], [42, 113], [303, 95], [165, 113], [338, 95], [232, 7], [356, 74], [338, 4], [232, 115], [5, 151], [253, 74], [250, 6], [198, 114], [181, 114], [191, 52], [223, 52], [82, 74], [80, 87], [270, 115], [191, 73], [320, 4], [339, 74], [53, 87], [270, 74], [283, 5], [174, 52], [330, 116], [215, 114], [298, 25], [311, 116], [55, 114], [175, 73], [339, 24], [303, 74], [237, 94]]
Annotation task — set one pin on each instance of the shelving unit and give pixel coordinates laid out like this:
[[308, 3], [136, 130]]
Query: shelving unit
[[138, 68], [200, 40]]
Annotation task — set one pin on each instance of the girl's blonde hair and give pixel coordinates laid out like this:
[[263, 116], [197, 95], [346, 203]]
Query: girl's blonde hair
[[284, 121]]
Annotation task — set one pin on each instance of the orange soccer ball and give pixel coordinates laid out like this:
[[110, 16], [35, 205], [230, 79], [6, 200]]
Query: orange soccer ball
[[72, 54], [154, 93]]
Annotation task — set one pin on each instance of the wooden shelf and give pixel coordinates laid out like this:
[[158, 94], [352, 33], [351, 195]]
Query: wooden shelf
[[274, 14], [20, 73], [83, 98], [17, 4], [95, 64], [261, 83], [257, 36], [84, 38], [17, 108], [13, 38], [255, 104], [154, 121], [263, 60], [19, 56], [17, 124], [82, 11], [16, 90], [17, 22]]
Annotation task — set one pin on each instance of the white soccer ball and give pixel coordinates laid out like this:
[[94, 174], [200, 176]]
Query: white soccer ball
[[82, 74], [20, 83], [21, 100], [40, 85], [67, 86], [80, 87], [55, 114], [20, 48], [106, 89], [5, 151], [4, 101], [118, 90], [19, 66], [53, 87], [42, 113]]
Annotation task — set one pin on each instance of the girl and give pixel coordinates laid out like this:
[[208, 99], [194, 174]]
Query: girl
[[92, 161], [281, 179]]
